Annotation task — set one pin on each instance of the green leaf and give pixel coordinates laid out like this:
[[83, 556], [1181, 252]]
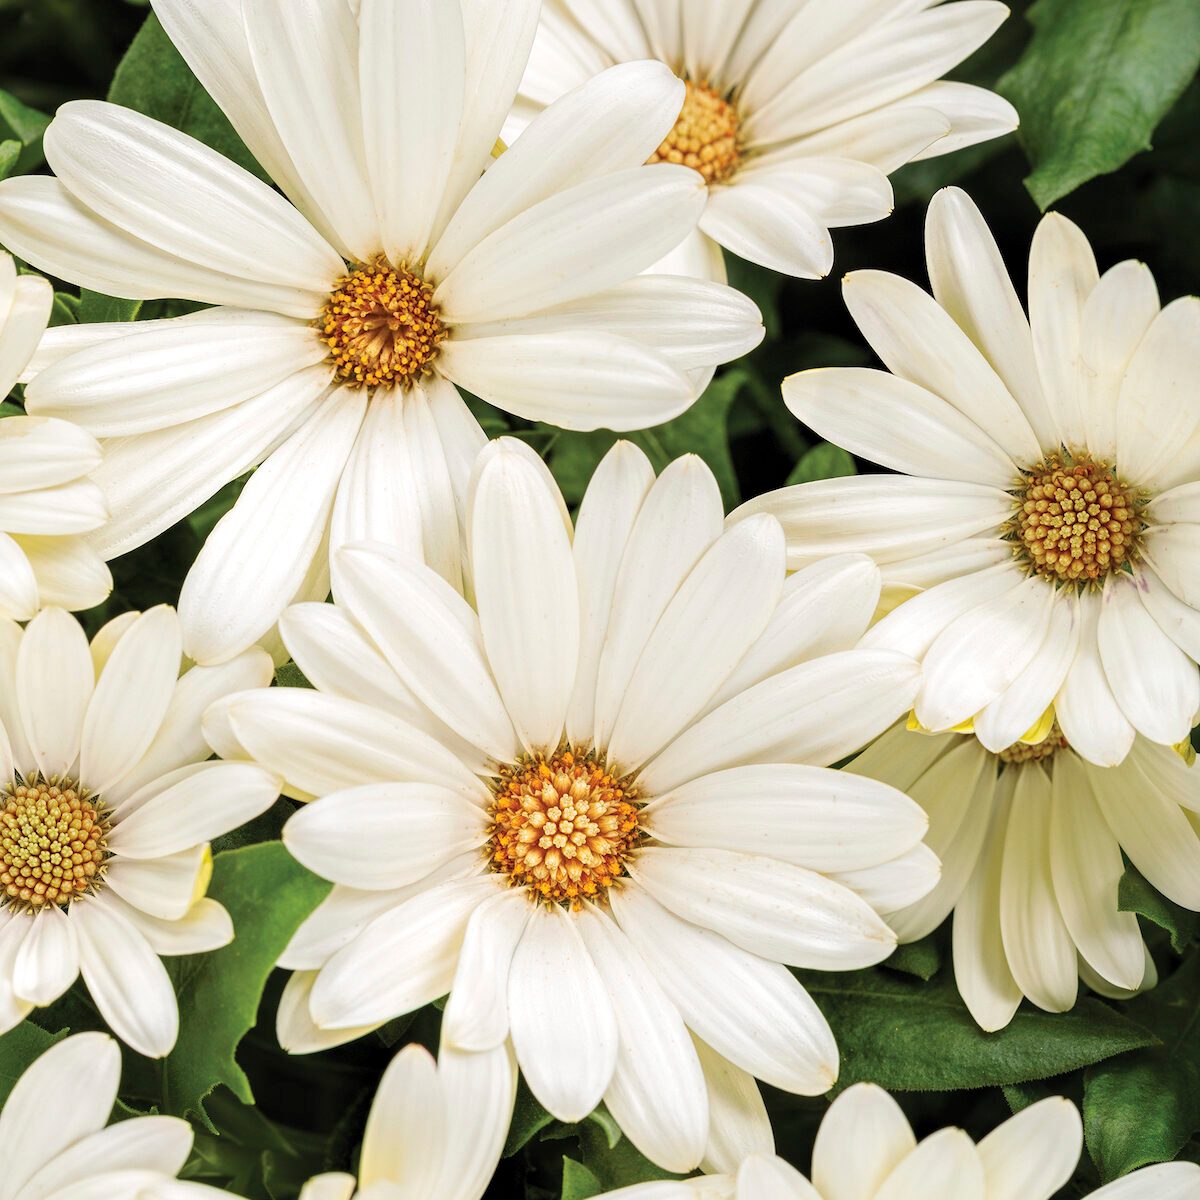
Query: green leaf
[[529, 1119], [19, 1049], [268, 894], [922, 959], [290, 675], [96, 308], [825, 461], [578, 1182], [1096, 80], [1137, 896], [907, 1035], [1143, 1108], [27, 125], [10, 152], [154, 79]]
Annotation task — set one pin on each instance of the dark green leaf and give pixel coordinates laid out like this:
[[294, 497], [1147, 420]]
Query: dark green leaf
[[1096, 80], [1143, 1108], [96, 309], [27, 125], [10, 152], [19, 1048], [825, 461], [922, 959], [268, 894], [529, 1119], [578, 1182], [290, 675], [1137, 896], [911, 1036], [154, 79]]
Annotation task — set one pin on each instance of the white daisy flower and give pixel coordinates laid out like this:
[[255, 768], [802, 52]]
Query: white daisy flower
[[592, 806], [866, 1150], [796, 111], [53, 1140], [47, 501], [106, 810], [436, 1129], [343, 323], [1047, 520], [1031, 842]]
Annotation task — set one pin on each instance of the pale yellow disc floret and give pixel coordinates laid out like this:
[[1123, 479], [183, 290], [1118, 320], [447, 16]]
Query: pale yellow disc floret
[[706, 136], [562, 827], [52, 843], [382, 327]]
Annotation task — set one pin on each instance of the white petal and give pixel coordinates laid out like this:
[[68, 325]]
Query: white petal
[[19, 595], [903, 323], [1040, 951], [982, 653], [1167, 1181], [773, 1179], [294, 1027], [738, 1120], [48, 960], [896, 424], [657, 1094], [127, 981], [207, 801], [22, 327], [406, 1127], [384, 835], [172, 191], [890, 886], [432, 639], [610, 508], [531, 633], [946, 1164], [1087, 866], [1155, 683], [161, 887], [816, 713], [206, 926], [329, 1187], [759, 1017], [256, 558], [861, 1139], [54, 681], [69, 572], [975, 115], [781, 912], [1034, 1153], [723, 606], [401, 961], [679, 519], [808, 816], [131, 698], [476, 1015], [563, 1026], [592, 236]]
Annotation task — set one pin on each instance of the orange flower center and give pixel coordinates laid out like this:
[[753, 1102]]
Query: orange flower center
[[705, 137], [562, 827], [1022, 752]]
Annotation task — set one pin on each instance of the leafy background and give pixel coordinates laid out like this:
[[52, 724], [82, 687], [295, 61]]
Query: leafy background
[[1110, 109]]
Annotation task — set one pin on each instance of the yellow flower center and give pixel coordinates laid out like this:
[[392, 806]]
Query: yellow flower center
[[382, 327], [562, 827], [1023, 752], [1076, 521], [52, 843], [705, 137]]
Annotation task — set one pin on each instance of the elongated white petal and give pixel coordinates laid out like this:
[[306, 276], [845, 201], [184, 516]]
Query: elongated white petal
[[946, 1163], [54, 681], [860, 1141], [406, 1126], [164, 887], [23, 326], [1034, 1153], [48, 960]]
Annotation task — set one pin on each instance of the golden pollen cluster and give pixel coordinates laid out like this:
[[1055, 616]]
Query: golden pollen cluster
[[1022, 752], [382, 327], [52, 842], [562, 826], [1076, 521], [705, 137]]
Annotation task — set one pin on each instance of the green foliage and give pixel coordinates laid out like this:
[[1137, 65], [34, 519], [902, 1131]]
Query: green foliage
[[268, 895], [907, 1035], [1137, 896], [154, 79], [825, 461], [24, 125], [19, 1048], [1098, 77], [1143, 1108], [578, 1183], [10, 154]]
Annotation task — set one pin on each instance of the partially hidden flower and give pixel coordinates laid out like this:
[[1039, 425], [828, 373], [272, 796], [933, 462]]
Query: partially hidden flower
[[1043, 537], [797, 111], [346, 316], [47, 502], [107, 806], [592, 804]]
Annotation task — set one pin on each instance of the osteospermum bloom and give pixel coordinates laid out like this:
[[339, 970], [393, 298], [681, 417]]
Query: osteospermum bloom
[[436, 1129], [796, 111], [343, 320], [866, 1150], [592, 805], [106, 810], [47, 502], [1047, 519], [1031, 842], [53, 1140]]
